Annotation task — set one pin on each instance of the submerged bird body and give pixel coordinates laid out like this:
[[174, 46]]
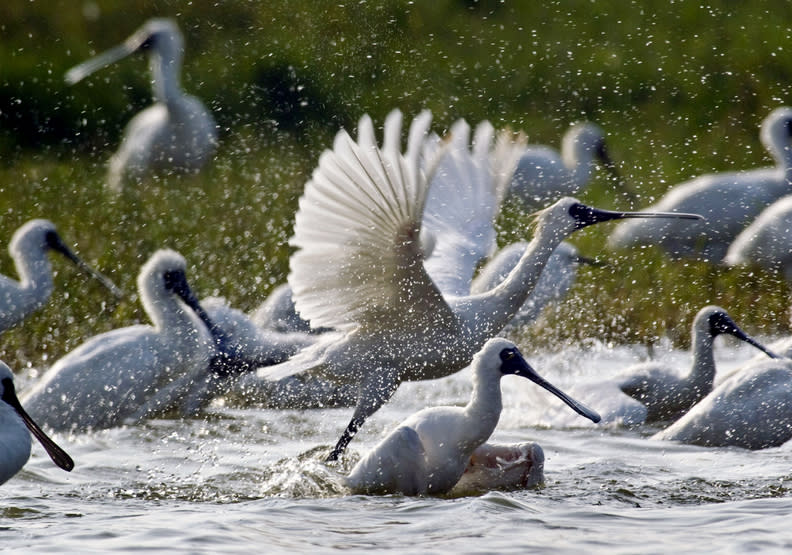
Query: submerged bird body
[[16, 426], [131, 373], [362, 210], [431, 450], [729, 201], [653, 392], [751, 409], [176, 133]]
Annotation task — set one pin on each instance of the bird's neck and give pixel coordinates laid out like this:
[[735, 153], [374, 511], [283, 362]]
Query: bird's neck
[[165, 78], [34, 271], [484, 409], [702, 374], [485, 314]]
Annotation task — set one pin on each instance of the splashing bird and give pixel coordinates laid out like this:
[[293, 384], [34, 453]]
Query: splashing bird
[[359, 269], [429, 452]]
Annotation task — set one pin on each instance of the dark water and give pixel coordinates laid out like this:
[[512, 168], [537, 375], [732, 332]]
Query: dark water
[[246, 480]]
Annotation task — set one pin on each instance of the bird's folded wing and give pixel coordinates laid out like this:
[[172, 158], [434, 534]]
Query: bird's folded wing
[[359, 260]]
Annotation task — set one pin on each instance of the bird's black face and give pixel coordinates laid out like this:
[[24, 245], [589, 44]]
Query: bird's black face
[[512, 362], [720, 322]]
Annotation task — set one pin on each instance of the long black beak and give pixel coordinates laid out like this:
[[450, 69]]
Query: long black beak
[[514, 363], [588, 215], [177, 282], [58, 455], [226, 362], [724, 324], [55, 242]]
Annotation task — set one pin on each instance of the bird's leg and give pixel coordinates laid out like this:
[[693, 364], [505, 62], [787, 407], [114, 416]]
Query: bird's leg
[[346, 437], [373, 392]]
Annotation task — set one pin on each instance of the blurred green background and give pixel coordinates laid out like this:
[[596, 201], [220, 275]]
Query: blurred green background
[[680, 88]]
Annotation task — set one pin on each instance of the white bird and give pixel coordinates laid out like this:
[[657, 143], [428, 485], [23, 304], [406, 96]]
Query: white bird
[[429, 452], [28, 249], [134, 372], [543, 175], [15, 429], [177, 132], [653, 391], [767, 241], [667, 395], [751, 409], [359, 269], [729, 201], [554, 283]]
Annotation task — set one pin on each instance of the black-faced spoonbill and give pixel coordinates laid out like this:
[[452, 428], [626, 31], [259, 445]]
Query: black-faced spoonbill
[[729, 201], [15, 429], [751, 409], [28, 248], [653, 391], [665, 393], [543, 175], [767, 241], [131, 373], [429, 452], [359, 269], [176, 133]]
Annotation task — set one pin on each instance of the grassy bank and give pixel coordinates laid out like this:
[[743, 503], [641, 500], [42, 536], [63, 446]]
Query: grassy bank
[[680, 88]]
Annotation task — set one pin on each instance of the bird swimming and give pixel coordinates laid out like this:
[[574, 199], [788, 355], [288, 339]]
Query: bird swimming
[[653, 392], [15, 429], [751, 409], [135, 372], [359, 269], [28, 249], [729, 201], [177, 132], [429, 452]]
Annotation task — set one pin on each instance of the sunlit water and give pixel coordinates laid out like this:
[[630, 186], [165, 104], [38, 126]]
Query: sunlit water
[[246, 480]]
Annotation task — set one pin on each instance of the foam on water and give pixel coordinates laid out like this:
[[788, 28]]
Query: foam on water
[[244, 479]]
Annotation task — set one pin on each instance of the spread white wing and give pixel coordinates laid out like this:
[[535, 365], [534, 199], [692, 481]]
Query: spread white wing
[[359, 260]]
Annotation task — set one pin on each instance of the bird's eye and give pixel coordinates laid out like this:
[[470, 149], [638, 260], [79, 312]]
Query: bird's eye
[[507, 354]]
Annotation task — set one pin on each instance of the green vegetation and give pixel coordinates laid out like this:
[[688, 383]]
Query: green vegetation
[[680, 87]]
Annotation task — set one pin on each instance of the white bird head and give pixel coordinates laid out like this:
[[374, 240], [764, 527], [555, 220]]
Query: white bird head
[[9, 397], [40, 236], [506, 357], [569, 214], [718, 322], [159, 36]]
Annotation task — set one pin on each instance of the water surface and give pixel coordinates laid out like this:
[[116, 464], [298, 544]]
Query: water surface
[[249, 480]]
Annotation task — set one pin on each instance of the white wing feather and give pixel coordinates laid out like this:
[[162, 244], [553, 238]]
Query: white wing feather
[[357, 230]]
